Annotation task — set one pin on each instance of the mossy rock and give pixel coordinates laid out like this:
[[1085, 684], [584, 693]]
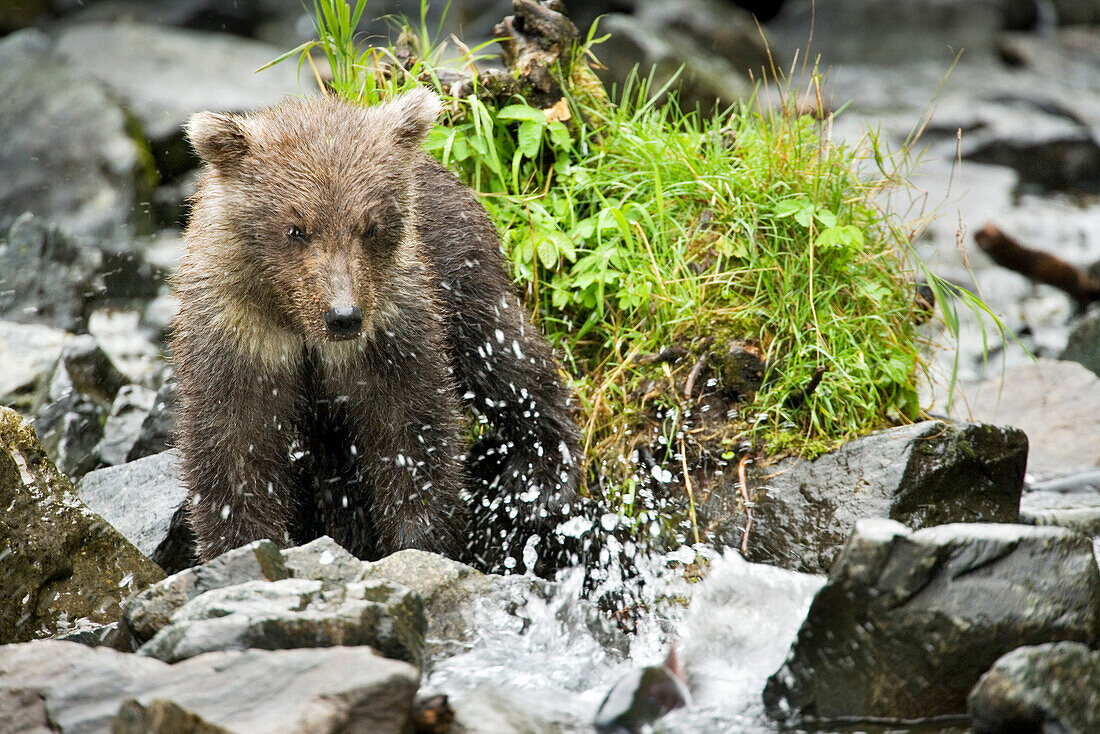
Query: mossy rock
[[61, 565]]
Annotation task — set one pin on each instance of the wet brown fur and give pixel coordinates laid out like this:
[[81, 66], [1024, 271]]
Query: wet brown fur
[[287, 432]]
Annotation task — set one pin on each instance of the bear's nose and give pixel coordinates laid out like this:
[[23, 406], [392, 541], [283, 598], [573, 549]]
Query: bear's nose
[[344, 322]]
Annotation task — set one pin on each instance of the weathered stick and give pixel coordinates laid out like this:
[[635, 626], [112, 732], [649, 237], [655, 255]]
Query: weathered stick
[[1038, 265]]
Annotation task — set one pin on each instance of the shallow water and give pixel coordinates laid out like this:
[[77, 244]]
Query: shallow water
[[735, 631]]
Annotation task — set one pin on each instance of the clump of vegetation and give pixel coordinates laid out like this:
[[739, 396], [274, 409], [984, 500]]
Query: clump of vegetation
[[661, 249]]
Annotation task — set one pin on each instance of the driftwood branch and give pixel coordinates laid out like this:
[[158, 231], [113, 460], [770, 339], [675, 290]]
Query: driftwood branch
[[1038, 265]]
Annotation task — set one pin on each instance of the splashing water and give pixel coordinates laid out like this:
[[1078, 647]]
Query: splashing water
[[551, 659]]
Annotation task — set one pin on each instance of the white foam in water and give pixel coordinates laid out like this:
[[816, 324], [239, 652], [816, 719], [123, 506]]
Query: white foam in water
[[736, 632]]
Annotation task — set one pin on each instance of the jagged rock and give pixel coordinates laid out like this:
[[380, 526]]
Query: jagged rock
[[145, 613], [119, 333], [83, 387], [704, 77], [449, 589], [144, 500], [66, 151], [131, 407], [317, 691], [294, 613], [924, 474], [195, 71], [324, 560], [159, 427], [29, 353], [1051, 687], [44, 277], [62, 565], [908, 621], [1069, 502]]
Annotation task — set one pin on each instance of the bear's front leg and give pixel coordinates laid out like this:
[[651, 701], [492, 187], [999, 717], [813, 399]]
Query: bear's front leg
[[236, 438], [403, 419]]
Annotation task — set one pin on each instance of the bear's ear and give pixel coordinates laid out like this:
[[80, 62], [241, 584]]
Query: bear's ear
[[220, 140], [414, 112]]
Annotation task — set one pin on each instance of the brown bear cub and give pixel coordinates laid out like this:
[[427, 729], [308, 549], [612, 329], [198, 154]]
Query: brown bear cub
[[343, 299]]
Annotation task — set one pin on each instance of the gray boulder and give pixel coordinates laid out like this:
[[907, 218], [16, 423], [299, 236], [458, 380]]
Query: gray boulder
[[294, 613], [908, 621], [144, 500], [921, 475], [29, 353], [1050, 687], [194, 71], [66, 151], [45, 278], [63, 566], [82, 388], [701, 77], [148, 611], [158, 429], [131, 407], [319, 691]]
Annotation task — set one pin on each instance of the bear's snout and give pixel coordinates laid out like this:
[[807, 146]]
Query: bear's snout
[[344, 322]]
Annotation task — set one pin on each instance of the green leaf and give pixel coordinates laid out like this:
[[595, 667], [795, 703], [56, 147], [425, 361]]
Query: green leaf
[[548, 253], [826, 217], [530, 138], [559, 135], [522, 112], [726, 247]]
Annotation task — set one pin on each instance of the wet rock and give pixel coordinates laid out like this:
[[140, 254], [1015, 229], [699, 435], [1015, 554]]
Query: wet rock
[[88, 371], [642, 696], [719, 27], [705, 77], [317, 691], [83, 387], [908, 621], [1054, 403], [1045, 144], [294, 613], [119, 333], [1083, 342], [144, 500], [1069, 502], [131, 407], [921, 475], [194, 72], [45, 278], [66, 151], [450, 591], [1050, 687], [29, 353], [62, 565], [487, 711], [324, 560], [872, 31], [145, 613], [158, 429]]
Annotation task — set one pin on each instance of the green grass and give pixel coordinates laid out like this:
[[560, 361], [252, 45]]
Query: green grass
[[633, 227]]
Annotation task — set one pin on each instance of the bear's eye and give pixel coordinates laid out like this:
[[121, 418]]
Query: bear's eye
[[371, 231], [295, 232]]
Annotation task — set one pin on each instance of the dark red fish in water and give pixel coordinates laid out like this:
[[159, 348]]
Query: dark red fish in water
[[642, 696]]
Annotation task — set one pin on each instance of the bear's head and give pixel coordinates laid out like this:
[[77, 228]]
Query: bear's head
[[312, 203]]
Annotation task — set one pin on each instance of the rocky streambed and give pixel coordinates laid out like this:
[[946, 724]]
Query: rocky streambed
[[941, 575]]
